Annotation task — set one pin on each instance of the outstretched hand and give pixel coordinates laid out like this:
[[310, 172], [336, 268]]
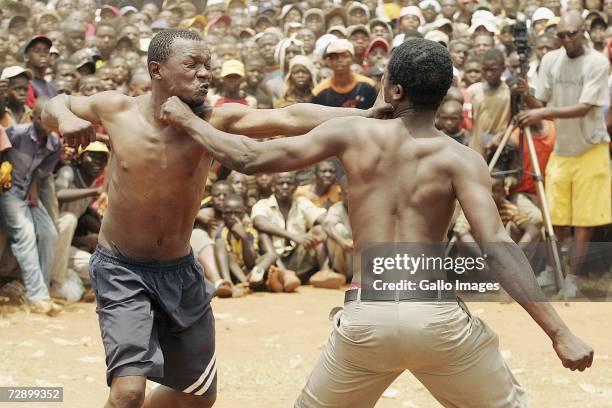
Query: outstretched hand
[[573, 352], [175, 112]]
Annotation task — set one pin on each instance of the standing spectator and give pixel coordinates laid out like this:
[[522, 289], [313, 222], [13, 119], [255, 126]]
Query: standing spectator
[[105, 42], [314, 19], [300, 82], [482, 44], [344, 89], [449, 118], [573, 83], [490, 103], [359, 36], [377, 51], [38, 59], [74, 35], [411, 18], [254, 77], [357, 14], [597, 33], [232, 73], [545, 43], [34, 153], [381, 29], [13, 109]]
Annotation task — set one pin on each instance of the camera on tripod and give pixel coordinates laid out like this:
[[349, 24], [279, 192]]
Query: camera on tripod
[[521, 42]]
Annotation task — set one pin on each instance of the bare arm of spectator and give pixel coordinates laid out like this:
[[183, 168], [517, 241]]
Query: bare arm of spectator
[[332, 218], [530, 233], [3, 95], [73, 116], [508, 265], [265, 225], [65, 194], [222, 259]]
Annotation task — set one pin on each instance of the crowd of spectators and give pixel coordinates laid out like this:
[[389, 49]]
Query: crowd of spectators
[[277, 231]]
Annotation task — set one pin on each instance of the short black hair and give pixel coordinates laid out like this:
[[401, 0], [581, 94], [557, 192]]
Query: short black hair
[[424, 69], [160, 48], [494, 55]]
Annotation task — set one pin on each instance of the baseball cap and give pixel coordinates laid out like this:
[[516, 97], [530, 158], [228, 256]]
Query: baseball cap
[[311, 12], [599, 21], [377, 21], [286, 9], [412, 11], [339, 46], [356, 5], [125, 10], [232, 67], [51, 13], [37, 38], [428, 3], [542, 13], [112, 9], [94, 147], [441, 22], [437, 36], [341, 29], [357, 27], [15, 70]]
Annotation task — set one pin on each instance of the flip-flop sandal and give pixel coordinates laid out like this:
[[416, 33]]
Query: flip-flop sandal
[[223, 289]]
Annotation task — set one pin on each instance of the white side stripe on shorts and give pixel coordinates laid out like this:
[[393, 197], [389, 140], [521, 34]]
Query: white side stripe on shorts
[[200, 380], [211, 377]]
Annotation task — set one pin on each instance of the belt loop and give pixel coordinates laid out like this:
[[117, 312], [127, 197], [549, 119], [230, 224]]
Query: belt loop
[[359, 294]]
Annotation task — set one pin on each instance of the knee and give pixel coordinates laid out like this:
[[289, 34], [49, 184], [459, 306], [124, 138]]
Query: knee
[[126, 396]]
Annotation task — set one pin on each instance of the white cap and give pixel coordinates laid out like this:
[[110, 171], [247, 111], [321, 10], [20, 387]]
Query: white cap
[[412, 11], [542, 13], [15, 70], [322, 43], [437, 36], [340, 46]]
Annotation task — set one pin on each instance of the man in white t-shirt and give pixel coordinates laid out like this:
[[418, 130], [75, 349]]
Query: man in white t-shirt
[[573, 83]]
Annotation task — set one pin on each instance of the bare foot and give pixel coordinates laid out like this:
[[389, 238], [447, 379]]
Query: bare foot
[[328, 279], [47, 307], [240, 290], [223, 288], [290, 281], [274, 280]]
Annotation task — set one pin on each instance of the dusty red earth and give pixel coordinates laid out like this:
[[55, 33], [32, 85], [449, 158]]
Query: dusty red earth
[[267, 344]]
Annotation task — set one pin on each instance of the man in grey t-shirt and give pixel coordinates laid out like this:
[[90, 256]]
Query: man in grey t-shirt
[[573, 89]]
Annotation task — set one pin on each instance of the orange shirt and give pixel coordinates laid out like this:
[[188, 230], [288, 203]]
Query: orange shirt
[[544, 144], [325, 201]]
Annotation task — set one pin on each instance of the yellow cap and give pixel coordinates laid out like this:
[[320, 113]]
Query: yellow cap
[[95, 147], [232, 67]]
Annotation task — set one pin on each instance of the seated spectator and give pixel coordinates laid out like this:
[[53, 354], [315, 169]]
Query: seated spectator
[[324, 191], [232, 73], [295, 227], [242, 253], [263, 189], [208, 221], [76, 190], [337, 226], [517, 223], [239, 183], [490, 104], [13, 108], [300, 82], [34, 153], [448, 120]]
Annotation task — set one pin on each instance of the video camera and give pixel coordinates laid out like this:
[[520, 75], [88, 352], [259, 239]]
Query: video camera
[[521, 42]]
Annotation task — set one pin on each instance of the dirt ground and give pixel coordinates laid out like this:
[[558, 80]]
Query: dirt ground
[[267, 344]]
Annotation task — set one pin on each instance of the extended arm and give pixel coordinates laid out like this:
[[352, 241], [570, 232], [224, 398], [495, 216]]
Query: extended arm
[[65, 194], [507, 263], [291, 120], [248, 156]]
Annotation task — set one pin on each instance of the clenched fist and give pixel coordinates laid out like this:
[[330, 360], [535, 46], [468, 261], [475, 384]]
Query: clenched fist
[[77, 132], [175, 112], [573, 352]]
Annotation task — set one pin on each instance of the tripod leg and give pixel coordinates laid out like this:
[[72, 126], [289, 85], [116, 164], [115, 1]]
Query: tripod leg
[[501, 146], [545, 213]]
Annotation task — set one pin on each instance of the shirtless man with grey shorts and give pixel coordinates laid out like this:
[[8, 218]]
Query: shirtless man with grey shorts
[[404, 177]]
